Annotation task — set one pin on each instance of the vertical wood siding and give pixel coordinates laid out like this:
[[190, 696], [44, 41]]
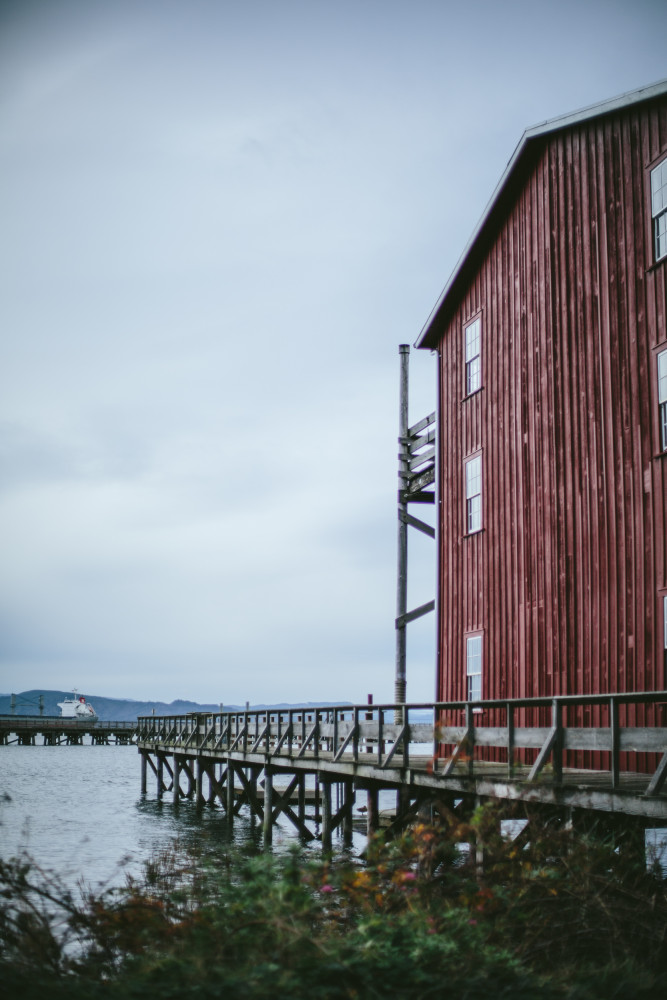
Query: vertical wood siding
[[566, 578]]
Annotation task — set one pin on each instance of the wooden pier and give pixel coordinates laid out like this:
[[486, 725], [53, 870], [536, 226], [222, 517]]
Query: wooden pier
[[427, 754], [24, 730]]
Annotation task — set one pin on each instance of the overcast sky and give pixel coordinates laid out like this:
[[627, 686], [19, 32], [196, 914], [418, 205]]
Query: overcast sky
[[218, 221]]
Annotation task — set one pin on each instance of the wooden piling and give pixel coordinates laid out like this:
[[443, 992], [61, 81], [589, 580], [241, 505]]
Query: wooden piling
[[176, 782], [402, 800], [301, 807], [268, 807], [144, 768], [212, 779], [160, 776], [348, 799], [373, 812], [230, 793], [199, 784], [325, 786]]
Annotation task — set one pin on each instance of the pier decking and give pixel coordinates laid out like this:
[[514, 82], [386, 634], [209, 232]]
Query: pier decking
[[425, 753]]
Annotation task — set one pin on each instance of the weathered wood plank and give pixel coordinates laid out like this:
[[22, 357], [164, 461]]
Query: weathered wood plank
[[417, 460], [417, 482], [415, 522], [421, 425], [411, 616]]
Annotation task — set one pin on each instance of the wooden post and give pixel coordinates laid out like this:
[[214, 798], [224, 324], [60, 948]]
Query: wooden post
[[302, 799], [402, 578], [326, 815], [402, 800], [176, 787], [615, 742], [230, 792], [478, 847], [369, 718], [470, 730], [510, 740], [557, 753], [348, 793], [373, 813], [199, 784], [143, 773], [192, 778], [268, 806], [160, 776]]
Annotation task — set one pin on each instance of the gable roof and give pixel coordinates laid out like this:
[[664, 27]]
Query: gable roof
[[508, 184]]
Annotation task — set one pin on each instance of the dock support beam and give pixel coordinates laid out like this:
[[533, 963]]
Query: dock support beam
[[143, 773], [302, 800], [268, 806], [348, 792], [402, 801], [176, 781], [326, 815], [212, 780], [373, 813], [230, 793], [199, 784]]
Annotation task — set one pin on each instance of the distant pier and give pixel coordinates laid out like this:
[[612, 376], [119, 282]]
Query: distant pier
[[26, 730]]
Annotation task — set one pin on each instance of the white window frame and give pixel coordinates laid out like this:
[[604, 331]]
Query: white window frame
[[659, 209], [662, 399], [472, 342], [474, 659], [473, 491]]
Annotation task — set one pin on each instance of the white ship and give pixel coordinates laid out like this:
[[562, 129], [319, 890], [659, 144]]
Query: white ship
[[77, 708]]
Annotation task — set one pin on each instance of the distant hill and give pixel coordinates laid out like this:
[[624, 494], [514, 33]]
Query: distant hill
[[122, 709]]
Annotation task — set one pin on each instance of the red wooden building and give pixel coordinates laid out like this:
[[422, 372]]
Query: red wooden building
[[551, 337]]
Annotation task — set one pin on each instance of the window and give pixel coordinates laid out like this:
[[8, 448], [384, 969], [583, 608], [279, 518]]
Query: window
[[473, 335], [474, 667], [474, 495], [662, 398], [659, 209]]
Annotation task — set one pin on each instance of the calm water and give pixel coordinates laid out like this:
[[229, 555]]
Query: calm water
[[78, 812]]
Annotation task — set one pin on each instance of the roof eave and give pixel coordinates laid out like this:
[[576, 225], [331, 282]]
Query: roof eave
[[429, 333]]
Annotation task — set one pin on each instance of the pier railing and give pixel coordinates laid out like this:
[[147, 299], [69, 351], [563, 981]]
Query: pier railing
[[55, 731], [17, 723], [530, 738]]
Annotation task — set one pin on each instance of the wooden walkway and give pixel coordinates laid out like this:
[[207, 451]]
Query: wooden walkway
[[25, 729], [429, 752]]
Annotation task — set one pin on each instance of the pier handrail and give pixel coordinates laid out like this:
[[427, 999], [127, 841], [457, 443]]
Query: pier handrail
[[41, 722], [368, 734]]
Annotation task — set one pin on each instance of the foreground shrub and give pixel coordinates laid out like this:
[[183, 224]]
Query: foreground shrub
[[560, 917]]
